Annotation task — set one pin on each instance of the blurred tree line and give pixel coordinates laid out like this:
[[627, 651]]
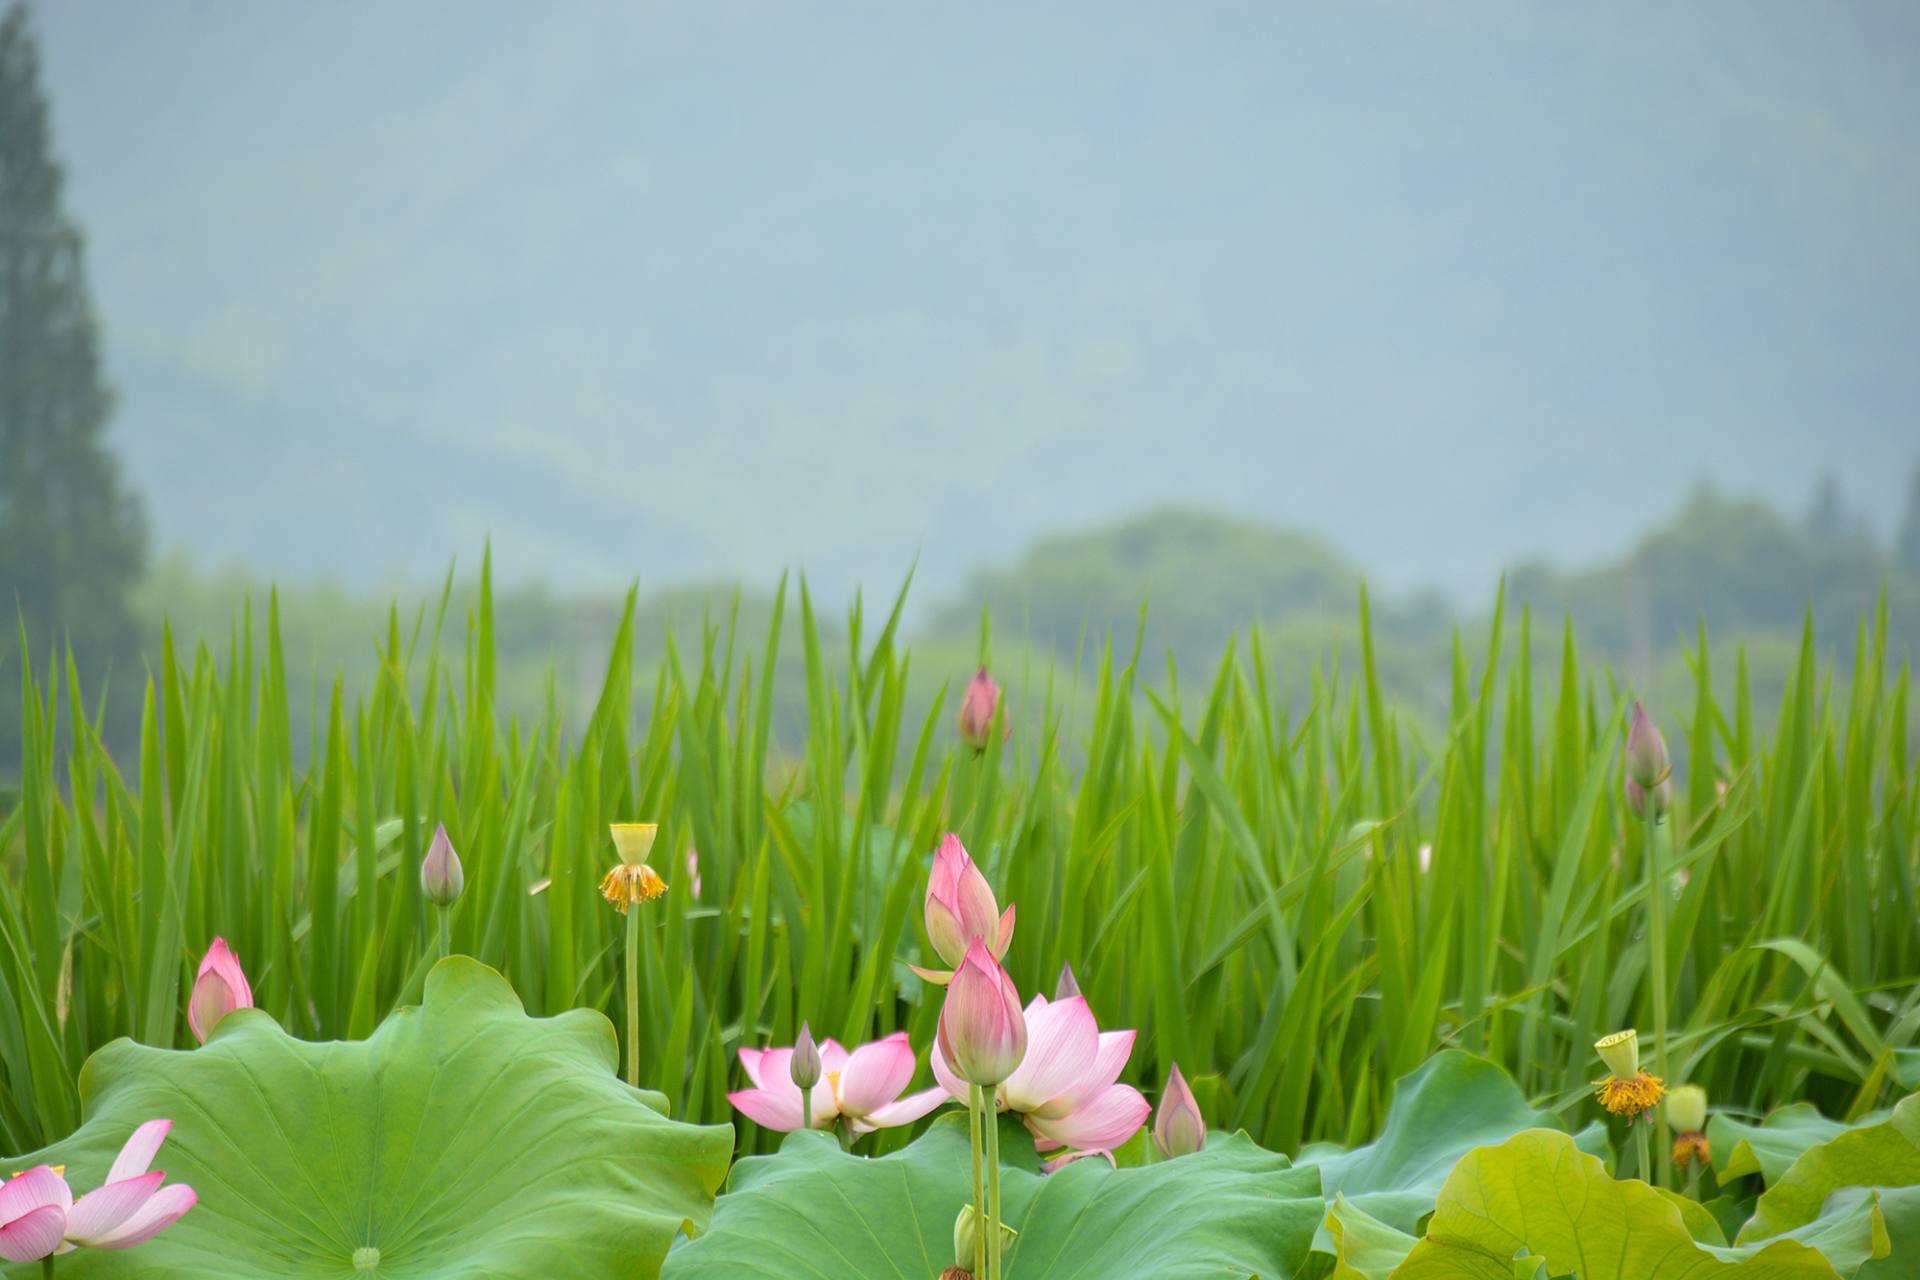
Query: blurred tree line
[[72, 536]]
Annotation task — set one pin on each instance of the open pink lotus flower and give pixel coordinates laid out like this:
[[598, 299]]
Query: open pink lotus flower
[[219, 988], [39, 1216], [862, 1087], [961, 907], [1066, 1089]]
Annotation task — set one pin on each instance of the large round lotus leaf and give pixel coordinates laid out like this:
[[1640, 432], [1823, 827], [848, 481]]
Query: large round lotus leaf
[[813, 1212], [1537, 1196], [1881, 1160], [462, 1139], [1769, 1147], [1451, 1104]]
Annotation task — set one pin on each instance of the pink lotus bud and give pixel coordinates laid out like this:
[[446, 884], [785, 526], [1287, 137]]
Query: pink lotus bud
[[1647, 762], [219, 988], [1662, 798], [983, 1033], [804, 1066], [977, 706], [961, 906], [693, 869], [1068, 987], [1178, 1127], [441, 877]]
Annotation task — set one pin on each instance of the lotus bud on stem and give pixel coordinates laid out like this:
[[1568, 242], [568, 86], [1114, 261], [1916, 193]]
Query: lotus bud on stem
[[442, 880], [983, 1037], [804, 1069], [1649, 768], [1178, 1129]]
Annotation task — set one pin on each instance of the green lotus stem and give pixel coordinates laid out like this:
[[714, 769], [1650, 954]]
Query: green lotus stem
[[445, 931], [1640, 1147], [975, 1105], [806, 1109], [992, 1122], [1657, 938], [1693, 1181], [46, 1265], [633, 994]]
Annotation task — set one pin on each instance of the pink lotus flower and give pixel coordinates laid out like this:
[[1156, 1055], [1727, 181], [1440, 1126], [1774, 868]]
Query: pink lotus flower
[[977, 705], [1179, 1129], [1065, 1089], [33, 1214], [39, 1216], [961, 907], [218, 989], [983, 1034], [862, 1087]]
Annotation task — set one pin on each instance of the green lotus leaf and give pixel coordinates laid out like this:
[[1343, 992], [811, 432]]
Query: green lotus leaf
[[1769, 1147], [1364, 1248], [1452, 1103], [1880, 1161], [813, 1212], [1538, 1196], [461, 1139]]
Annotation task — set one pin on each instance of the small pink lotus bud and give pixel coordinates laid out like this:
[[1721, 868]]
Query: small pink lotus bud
[[1068, 987], [983, 1033], [1647, 762], [219, 988], [960, 905], [804, 1065], [1178, 1128], [977, 706], [441, 877]]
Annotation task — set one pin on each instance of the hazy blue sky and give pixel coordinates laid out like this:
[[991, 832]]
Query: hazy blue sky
[[717, 287]]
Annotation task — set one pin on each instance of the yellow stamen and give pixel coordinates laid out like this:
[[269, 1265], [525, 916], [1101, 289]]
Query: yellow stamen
[[629, 883], [1632, 1096], [1689, 1147], [833, 1087]]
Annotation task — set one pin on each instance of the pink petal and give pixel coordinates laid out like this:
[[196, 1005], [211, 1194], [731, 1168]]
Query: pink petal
[[952, 1083], [162, 1209], [905, 1111], [1063, 1042], [1061, 1162], [875, 1074], [36, 1188], [1003, 935], [1102, 1124], [770, 1109], [750, 1060], [139, 1150], [776, 1069], [96, 1214], [832, 1056], [945, 931], [33, 1235], [1115, 1048]]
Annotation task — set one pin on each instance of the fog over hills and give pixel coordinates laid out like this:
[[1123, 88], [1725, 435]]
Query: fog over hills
[[704, 290]]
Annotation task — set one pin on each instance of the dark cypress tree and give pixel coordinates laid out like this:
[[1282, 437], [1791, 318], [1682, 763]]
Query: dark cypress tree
[[72, 537]]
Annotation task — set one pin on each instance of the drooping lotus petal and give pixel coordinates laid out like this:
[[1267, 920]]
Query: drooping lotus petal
[[905, 1111], [983, 1033], [875, 1074], [137, 1153], [773, 1109], [162, 1209], [33, 1235], [1063, 1042], [1062, 1161], [97, 1214], [1106, 1122]]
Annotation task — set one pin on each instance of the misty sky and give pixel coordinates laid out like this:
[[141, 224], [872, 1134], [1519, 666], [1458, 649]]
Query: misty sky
[[715, 288]]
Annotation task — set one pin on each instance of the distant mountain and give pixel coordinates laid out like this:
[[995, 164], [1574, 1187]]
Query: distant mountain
[[695, 292]]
